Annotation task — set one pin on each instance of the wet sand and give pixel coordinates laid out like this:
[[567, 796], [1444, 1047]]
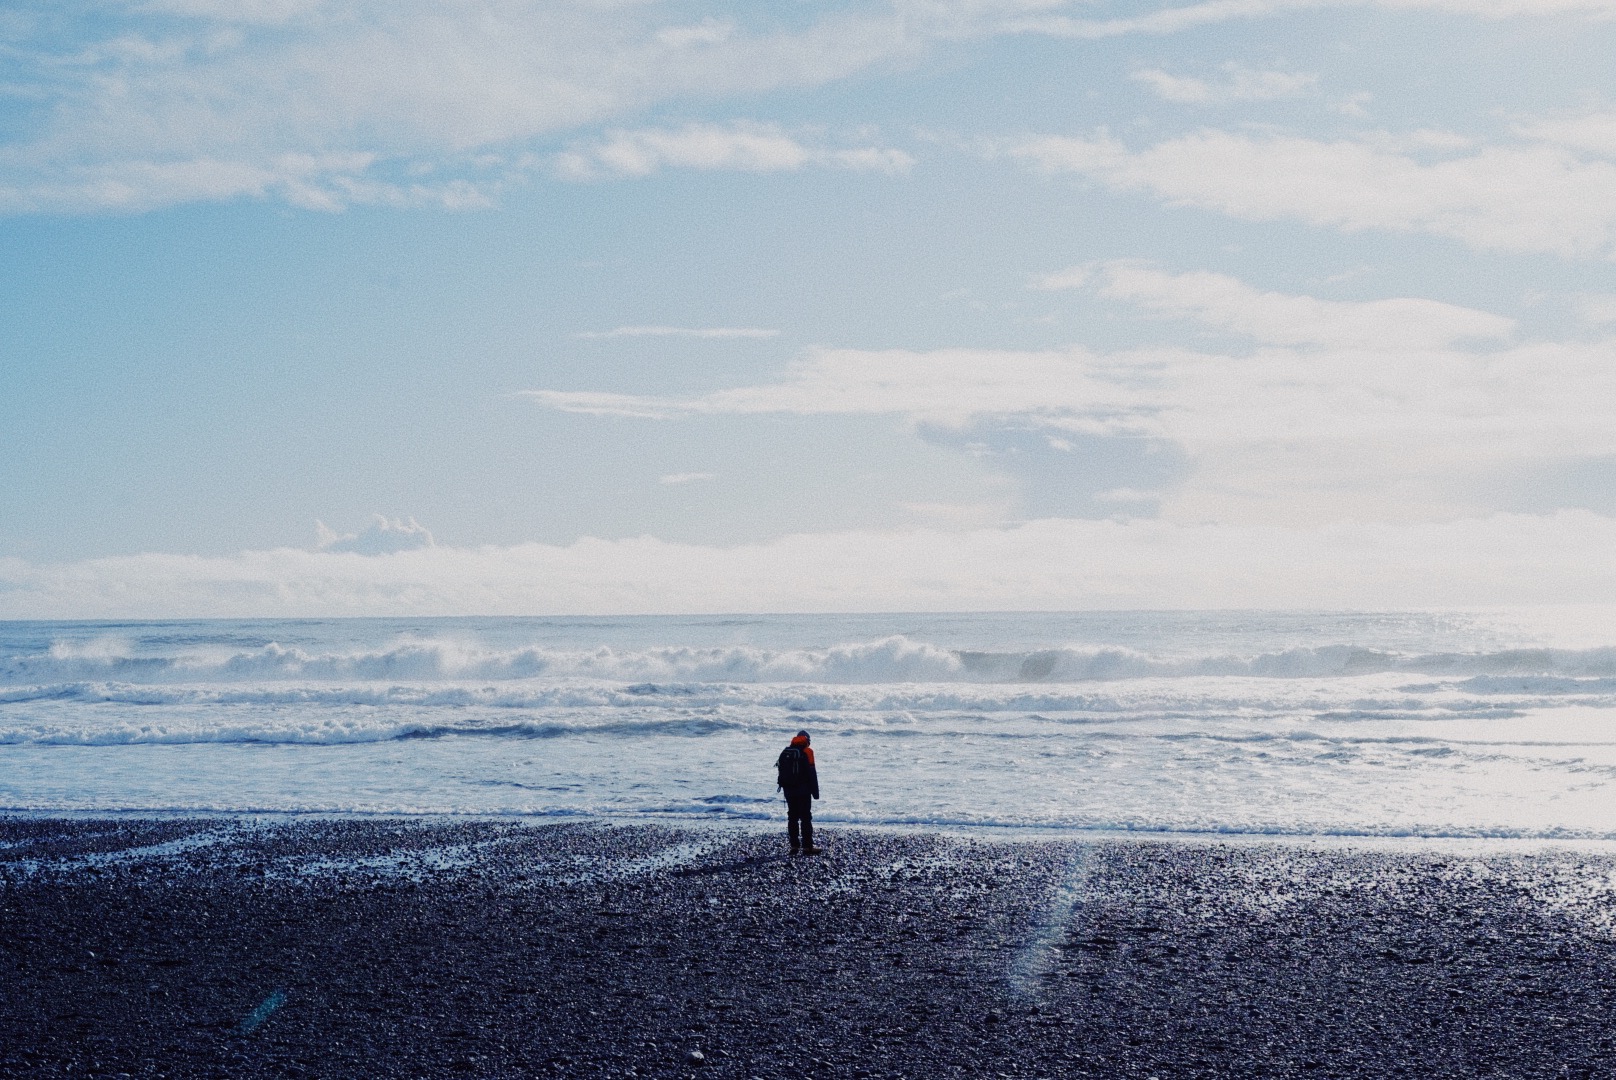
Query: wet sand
[[387, 948]]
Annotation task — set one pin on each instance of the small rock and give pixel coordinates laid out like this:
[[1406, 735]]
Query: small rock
[[696, 1057], [994, 1016]]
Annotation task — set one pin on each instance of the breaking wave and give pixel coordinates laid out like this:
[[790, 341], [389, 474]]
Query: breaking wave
[[337, 731], [887, 660]]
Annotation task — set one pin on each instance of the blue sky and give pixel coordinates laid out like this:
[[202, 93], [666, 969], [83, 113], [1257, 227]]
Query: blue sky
[[311, 307]]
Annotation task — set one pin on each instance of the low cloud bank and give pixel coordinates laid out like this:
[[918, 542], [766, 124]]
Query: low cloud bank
[[1503, 559]]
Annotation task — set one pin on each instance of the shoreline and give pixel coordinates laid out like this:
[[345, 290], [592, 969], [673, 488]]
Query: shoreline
[[770, 824], [199, 946]]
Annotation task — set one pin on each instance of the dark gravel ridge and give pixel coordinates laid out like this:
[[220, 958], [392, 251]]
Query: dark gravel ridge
[[406, 948]]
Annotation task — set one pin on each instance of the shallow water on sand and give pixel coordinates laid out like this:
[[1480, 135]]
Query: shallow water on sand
[[1433, 724]]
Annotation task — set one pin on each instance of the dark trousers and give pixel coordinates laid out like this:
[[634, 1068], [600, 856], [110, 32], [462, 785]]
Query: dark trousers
[[800, 818]]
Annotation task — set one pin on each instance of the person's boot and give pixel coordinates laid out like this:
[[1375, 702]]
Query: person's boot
[[811, 850]]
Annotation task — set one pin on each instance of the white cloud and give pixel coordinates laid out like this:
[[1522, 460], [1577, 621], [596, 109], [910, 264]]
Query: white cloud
[[960, 515], [313, 182], [1354, 104], [1043, 565], [1593, 132], [1597, 309], [1519, 197], [706, 32], [946, 386], [605, 403], [250, 11], [871, 159], [1379, 409], [1128, 495], [760, 148], [1535, 398], [1174, 20], [681, 331], [1242, 84], [325, 103], [686, 477], [382, 536], [1403, 324]]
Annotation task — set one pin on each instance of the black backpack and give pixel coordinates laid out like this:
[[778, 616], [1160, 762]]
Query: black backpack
[[793, 766]]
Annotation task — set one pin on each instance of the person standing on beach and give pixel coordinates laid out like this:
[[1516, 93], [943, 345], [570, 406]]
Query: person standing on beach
[[800, 781]]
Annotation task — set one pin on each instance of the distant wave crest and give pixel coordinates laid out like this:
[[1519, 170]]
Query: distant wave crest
[[331, 730], [887, 660]]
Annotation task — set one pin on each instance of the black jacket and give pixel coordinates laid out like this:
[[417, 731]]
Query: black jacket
[[807, 784]]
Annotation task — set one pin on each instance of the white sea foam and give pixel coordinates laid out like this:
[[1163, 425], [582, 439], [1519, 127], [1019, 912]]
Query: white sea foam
[[1214, 707]]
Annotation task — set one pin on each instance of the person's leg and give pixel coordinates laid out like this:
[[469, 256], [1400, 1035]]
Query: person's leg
[[807, 823], [793, 821]]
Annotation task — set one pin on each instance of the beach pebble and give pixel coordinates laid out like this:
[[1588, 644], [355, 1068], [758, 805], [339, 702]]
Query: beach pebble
[[696, 1057]]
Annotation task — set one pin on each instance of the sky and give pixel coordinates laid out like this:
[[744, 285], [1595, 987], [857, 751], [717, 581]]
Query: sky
[[312, 307]]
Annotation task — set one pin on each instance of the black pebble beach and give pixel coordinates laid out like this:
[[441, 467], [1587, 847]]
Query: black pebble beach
[[399, 948]]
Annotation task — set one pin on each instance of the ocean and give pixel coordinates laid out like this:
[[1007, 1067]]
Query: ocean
[[1498, 724]]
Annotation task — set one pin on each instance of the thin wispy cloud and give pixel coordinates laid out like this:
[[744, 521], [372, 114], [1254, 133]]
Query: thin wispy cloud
[[1548, 396], [1377, 404], [680, 331], [1402, 324], [1240, 84], [334, 102], [1591, 132], [757, 148], [330, 103], [1517, 196], [1178, 19], [1598, 309]]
